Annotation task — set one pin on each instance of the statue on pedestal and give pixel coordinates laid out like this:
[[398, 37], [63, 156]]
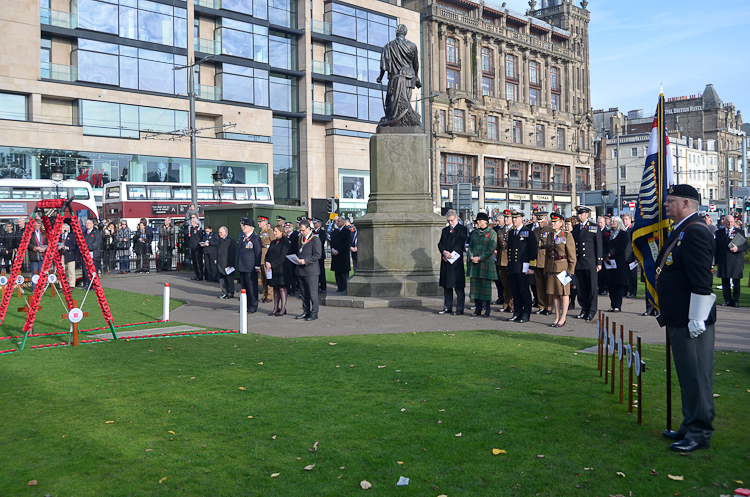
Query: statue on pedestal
[[400, 59]]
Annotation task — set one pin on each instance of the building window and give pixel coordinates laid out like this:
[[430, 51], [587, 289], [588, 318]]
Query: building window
[[451, 52], [487, 61], [560, 139], [14, 107], [283, 93], [555, 101], [533, 73], [554, 79], [493, 172], [517, 174], [285, 161], [540, 135], [242, 39], [473, 124], [517, 132], [442, 122], [457, 168], [511, 92], [355, 63], [492, 129], [614, 153], [534, 96], [458, 121], [453, 77], [488, 86], [581, 141], [560, 178], [355, 24], [623, 174], [634, 152], [355, 101], [126, 121], [539, 176], [511, 67], [582, 179], [243, 84]]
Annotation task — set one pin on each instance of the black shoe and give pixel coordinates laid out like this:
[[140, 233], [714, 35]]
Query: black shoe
[[524, 318], [727, 303], [534, 303], [279, 314], [301, 316], [487, 309], [444, 311], [547, 312], [631, 296], [603, 292], [514, 318], [322, 291], [581, 315], [591, 316], [292, 294], [222, 296], [647, 313], [540, 311], [477, 311], [193, 278], [686, 446], [458, 313], [673, 435], [498, 302], [735, 303], [230, 296], [311, 317], [252, 311]]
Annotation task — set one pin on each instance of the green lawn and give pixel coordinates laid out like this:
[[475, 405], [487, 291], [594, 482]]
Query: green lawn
[[168, 416]]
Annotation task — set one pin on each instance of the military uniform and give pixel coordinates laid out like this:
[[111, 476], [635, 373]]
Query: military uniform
[[522, 249], [542, 234], [560, 255], [502, 265], [266, 237], [588, 239]]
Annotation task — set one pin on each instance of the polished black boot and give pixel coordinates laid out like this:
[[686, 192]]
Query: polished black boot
[[477, 308], [486, 308]]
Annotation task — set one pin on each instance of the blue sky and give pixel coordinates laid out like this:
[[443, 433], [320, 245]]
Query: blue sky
[[685, 44]]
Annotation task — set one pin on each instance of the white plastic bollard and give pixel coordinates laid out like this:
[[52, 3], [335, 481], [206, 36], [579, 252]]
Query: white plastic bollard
[[166, 302], [243, 312]]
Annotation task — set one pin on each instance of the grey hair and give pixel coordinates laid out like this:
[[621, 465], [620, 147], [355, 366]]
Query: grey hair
[[618, 220], [450, 213], [401, 30]]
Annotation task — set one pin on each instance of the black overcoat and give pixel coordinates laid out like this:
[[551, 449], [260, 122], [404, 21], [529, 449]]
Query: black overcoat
[[226, 255], [729, 264], [341, 240], [619, 250], [276, 256], [453, 240]]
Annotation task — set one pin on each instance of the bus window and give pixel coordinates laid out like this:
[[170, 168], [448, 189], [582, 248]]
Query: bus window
[[226, 194], [19, 194], [244, 193], [263, 193], [136, 192], [5, 193], [50, 193], [113, 192], [78, 193], [159, 193], [180, 193], [205, 193]]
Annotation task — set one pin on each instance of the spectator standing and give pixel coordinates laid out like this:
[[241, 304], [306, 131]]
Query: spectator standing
[[353, 248], [452, 276], [123, 239], [293, 237], [69, 251], [93, 239], [322, 234], [707, 219], [632, 288], [192, 211], [225, 257], [19, 234], [266, 236], [166, 244], [341, 242], [196, 250], [618, 254], [481, 265], [109, 235], [309, 252], [278, 264], [37, 248], [142, 248], [7, 245], [249, 254], [210, 246], [602, 222], [730, 260]]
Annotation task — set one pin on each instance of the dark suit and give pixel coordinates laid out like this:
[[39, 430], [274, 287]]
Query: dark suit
[[323, 236], [453, 275], [310, 250], [730, 264], [36, 259], [226, 254], [619, 250], [603, 276], [209, 256], [249, 253], [341, 240], [687, 270], [93, 240], [522, 248], [69, 254], [293, 246], [196, 251], [588, 239]]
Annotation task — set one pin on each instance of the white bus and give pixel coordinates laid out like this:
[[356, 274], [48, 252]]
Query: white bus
[[18, 197]]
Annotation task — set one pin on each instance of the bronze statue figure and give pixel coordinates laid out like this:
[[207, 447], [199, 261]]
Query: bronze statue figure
[[400, 59]]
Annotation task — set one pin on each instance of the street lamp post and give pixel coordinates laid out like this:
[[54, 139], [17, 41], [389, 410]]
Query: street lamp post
[[218, 182], [605, 200], [57, 178]]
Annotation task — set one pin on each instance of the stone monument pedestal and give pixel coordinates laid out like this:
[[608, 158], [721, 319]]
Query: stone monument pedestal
[[398, 237]]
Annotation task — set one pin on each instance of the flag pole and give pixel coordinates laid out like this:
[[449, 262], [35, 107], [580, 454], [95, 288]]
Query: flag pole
[[663, 232]]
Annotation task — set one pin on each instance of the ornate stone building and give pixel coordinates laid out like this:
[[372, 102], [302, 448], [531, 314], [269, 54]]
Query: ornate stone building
[[511, 107]]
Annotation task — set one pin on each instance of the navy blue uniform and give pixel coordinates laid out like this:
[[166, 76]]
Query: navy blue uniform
[[249, 251], [522, 248], [210, 252], [588, 239]]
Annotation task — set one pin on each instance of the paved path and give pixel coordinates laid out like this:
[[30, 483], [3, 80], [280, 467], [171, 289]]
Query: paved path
[[202, 308]]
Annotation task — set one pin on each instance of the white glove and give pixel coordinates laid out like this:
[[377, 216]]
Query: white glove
[[696, 327], [700, 308]]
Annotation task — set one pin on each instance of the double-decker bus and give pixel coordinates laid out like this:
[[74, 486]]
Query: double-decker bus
[[132, 201], [18, 197]]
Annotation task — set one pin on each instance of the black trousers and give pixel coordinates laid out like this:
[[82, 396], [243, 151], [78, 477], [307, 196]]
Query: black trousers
[[308, 289], [227, 284], [196, 257], [730, 294], [341, 278], [86, 279], [448, 298], [322, 284], [499, 284], [602, 280], [587, 290], [519, 287], [249, 283], [615, 296], [210, 270]]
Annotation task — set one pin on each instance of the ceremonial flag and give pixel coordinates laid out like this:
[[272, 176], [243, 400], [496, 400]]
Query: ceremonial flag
[[650, 223]]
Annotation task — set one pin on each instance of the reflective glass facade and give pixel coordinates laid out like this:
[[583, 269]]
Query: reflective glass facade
[[360, 25], [243, 84], [242, 39], [13, 107], [285, 161], [356, 63], [283, 51], [127, 121], [355, 101]]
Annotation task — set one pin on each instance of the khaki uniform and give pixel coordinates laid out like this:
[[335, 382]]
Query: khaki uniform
[[540, 279], [560, 256], [502, 265], [266, 237]]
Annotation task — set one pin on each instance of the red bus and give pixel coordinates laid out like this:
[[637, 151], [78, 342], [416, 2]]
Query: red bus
[[18, 197]]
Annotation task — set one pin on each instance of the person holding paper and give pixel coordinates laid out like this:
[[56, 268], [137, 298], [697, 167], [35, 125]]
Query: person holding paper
[[309, 253], [559, 265], [481, 265], [452, 274], [687, 308], [730, 245], [619, 250], [522, 249], [280, 277], [225, 257], [249, 252]]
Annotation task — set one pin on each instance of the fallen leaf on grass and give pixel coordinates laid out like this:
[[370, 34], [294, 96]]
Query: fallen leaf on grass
[[497, 452], [399, 462], [163, 480], [738, 481], [149, 450], [716, 396], [621, 474], [676, 478], [403, 409], [260, 363], [297, 458], [243, 388], [173, 433], [108, 422], [273, 437], [32, 483], [588, 469], [654, 472], [331, 343], [441, 410], [458, 434], [249, 417], [540, 456], [310, 467], [365, 485], [342, 468], [274, 475], [381, 367], [314, 447]]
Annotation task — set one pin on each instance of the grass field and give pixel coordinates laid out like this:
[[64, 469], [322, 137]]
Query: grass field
[[220, 415]]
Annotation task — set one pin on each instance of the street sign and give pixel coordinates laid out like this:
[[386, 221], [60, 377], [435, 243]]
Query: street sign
[[712, 207], [741, 191], [462, 196], [632, 205]]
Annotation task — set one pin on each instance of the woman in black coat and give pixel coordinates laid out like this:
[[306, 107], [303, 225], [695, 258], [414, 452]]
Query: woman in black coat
[[142, 248], [619, 250], [279, 265]]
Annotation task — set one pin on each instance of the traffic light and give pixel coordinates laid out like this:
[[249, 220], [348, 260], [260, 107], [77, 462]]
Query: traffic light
[[333, 205], [747, 204]]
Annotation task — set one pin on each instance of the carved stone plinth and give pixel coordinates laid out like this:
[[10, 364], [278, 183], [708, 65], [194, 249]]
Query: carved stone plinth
[[398, 236]]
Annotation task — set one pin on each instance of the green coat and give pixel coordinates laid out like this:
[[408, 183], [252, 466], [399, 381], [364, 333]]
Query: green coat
[[482, 244]]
